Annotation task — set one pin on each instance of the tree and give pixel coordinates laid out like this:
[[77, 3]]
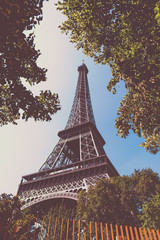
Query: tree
[[54, 215], [14, 223], [126, 36], [18, 58], [157, 11], [151, 213], [119, 200]]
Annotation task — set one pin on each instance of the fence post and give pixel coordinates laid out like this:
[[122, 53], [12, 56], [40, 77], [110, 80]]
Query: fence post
[[131, 231], [150, 235], [49, 227], [136, 232], [101, 231], [112, 234], [84, 232], [154, 234], [145, 234], [122, 234], [158, 235], [107, 236], [67, 229], [73, 229], [127, 232], [61, 229], [55, 229], [79, 229], [117, 233], [90, 229], [141, 235], [96, 230]]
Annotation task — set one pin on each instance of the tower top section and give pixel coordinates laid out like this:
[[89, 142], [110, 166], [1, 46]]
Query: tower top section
[[81, 111], [83, 68]]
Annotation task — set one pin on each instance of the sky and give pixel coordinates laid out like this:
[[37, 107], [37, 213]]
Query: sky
[[26, 146]]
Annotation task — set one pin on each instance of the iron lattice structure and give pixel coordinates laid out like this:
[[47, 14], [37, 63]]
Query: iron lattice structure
[[77, 161]]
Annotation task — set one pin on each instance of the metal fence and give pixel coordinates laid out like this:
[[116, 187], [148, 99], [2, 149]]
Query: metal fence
[[78, 230], [70, 229]]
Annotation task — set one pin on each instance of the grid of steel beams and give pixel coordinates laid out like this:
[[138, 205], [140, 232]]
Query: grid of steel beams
[[77, 161], [81, 111]]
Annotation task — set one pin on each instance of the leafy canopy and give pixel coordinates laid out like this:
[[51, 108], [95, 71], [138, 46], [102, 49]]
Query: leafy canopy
[[18, 63], [151, 212], [126, 36], [120, 200], [14, 223]]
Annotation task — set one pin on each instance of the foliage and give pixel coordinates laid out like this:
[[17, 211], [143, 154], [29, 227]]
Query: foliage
[[157, 11], [126, 35], [151, 212], [14, 223], [18, 64], [127, 200], [119, 200]]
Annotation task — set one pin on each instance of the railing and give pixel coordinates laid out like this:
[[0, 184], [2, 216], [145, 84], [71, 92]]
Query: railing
[[67, 229], [95, 161], [99, 231]]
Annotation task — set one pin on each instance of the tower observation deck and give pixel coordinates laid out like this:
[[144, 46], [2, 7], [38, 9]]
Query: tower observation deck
[[78, 159]]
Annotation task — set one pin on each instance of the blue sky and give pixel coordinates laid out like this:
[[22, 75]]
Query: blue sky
[[25, 147]]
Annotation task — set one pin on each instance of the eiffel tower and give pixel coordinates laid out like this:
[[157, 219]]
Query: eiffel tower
[[77, 161]]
